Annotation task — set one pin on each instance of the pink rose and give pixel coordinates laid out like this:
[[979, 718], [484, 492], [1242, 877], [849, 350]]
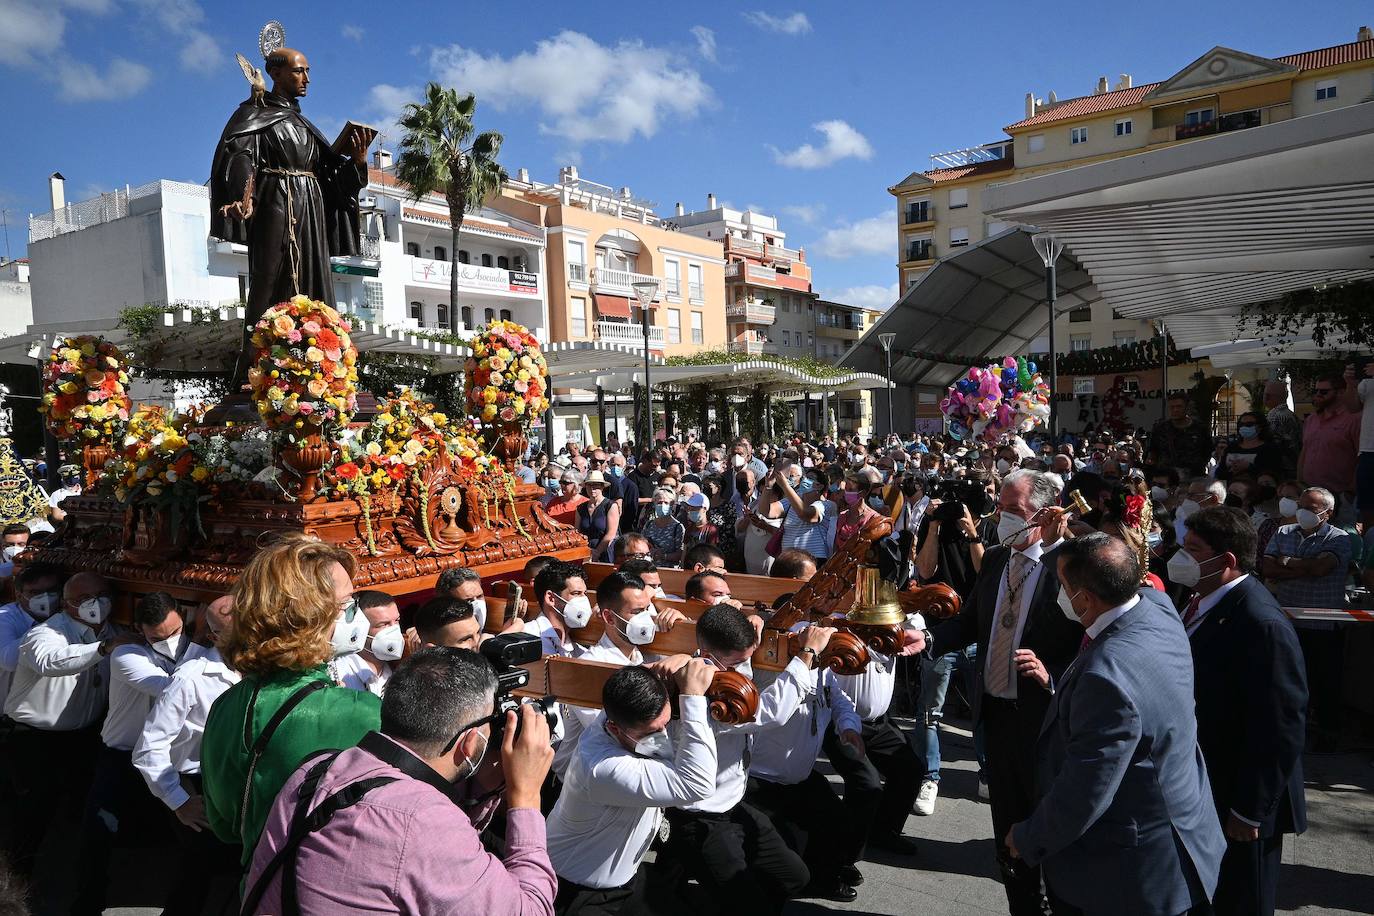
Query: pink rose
[[311, 327], [294, 336]]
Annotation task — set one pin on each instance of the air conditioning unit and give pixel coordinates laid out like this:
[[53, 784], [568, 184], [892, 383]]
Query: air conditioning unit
[[367, 201]]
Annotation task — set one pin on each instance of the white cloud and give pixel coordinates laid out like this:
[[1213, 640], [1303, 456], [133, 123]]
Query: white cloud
[[807, 214], [182, 20], [875, 235], [873, 295], [354, 32], [706, 42], [84, 83], [201, 53], [31, 31], [585, 91], [793, 24], [384, 102], [841, 142]]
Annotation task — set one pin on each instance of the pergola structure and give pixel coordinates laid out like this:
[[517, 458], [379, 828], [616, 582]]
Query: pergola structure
[[1192, 233]]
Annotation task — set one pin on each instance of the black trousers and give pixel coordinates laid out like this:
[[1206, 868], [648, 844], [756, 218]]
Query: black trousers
[[119, 809], [49, 773], [208, 874], [1011, 728], [812, 821], [738, 857], [1249, 878], [578, 900], [881, 786]]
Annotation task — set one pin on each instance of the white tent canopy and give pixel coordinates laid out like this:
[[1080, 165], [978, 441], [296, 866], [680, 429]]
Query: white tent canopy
[[775, 378], [1193, 232]]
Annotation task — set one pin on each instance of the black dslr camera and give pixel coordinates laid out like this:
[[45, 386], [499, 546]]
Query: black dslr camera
[[955, 494], [506, 653]]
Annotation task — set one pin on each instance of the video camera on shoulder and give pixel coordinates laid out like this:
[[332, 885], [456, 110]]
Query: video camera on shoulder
[[507, 653], [955, 494]]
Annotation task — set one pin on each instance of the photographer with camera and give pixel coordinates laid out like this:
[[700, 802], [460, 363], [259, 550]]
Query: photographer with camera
[[625, 771], [376, 828]]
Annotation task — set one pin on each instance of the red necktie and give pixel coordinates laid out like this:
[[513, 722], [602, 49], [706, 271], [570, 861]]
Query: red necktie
[[1191, 612], [1087, 640]]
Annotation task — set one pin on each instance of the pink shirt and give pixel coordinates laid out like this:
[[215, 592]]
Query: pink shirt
[[404, 848], [1330, 449]]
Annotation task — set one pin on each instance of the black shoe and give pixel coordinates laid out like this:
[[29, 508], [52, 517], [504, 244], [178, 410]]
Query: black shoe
[[894, 843], [850, 875], [834, 889]]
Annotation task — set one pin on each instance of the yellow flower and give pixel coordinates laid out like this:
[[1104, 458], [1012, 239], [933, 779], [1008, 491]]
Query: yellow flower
[[489, 394], [200, 474], [489, 413], [67, 388], [317, 387], [374, 449], [315, 355]]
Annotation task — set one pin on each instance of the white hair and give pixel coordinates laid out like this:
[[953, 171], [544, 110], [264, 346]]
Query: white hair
[[1214, 487], [1328, 500], [1044, 486]]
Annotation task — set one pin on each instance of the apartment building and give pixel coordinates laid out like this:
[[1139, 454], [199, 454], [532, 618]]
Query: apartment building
[[604, 241], [939, 210], [769, 304]]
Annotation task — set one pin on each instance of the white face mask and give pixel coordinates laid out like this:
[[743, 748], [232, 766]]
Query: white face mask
[[169, 648], [1158, 494], [577, 611], [1308, 520], [1066, 605], [656, 745], [1003, 465], [1184, 569], [1288, 507], [479, 610], [42, 606], [720, 599], [641, 629], [1008, 525], [738, 461], [1187, 508], [350, 631], [388, 644], [11, 551], [659, 592], [94, 611], [474, 764]]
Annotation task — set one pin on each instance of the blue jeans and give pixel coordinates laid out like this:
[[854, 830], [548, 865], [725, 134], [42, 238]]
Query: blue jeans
[[934, 685]]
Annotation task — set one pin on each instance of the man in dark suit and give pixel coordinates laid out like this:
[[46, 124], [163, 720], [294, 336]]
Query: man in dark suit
[[1251, 687], [1024, 643], [1125, 822]]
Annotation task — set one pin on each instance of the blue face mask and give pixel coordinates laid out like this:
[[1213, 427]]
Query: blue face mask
[[804, 485], [662, 509], [617, 471], [876, 502]]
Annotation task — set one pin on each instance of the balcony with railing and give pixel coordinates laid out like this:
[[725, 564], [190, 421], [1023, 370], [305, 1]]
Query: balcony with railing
[[628, 333], [1198, 129], [752, 346], [836, 326], [752, 311], [577, 273], [743, 246], [917, 213], [779, 253], [919, 251], [621, 282]]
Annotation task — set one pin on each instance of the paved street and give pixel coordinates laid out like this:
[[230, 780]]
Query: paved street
[[1328, 871]]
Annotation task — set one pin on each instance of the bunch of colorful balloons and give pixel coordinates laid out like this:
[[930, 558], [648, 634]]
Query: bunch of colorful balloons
[[996, 399]]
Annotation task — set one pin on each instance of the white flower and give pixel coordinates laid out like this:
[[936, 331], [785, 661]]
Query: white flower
[[171, 476]]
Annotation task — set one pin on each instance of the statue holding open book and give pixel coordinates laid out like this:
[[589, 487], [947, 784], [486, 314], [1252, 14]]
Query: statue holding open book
[[279, 187]]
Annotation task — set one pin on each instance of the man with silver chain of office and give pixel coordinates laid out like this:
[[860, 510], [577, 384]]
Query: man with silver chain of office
[[279, 187]]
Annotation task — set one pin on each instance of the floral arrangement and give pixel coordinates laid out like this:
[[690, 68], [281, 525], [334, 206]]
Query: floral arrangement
[[85, 390], [304, 376], [995, 399], [506, 378], [163, 460]]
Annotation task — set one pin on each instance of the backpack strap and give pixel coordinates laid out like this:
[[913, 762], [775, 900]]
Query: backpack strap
[[259, 745]]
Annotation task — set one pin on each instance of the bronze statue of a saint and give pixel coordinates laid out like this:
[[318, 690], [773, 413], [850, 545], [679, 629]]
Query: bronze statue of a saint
[[279, 187]]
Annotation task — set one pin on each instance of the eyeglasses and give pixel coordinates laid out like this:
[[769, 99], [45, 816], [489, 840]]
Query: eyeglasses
[[485, 720]]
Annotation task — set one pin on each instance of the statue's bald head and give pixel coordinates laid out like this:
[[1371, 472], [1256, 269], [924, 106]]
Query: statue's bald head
[[290, 72]]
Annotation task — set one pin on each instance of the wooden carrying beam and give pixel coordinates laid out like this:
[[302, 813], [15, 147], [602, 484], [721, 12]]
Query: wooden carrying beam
[[743, 588], [732, 698]]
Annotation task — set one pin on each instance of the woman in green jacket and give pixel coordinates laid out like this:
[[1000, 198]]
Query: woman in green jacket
[[293, 611]]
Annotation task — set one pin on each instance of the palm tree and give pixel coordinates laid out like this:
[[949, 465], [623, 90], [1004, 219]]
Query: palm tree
[[435, 156]]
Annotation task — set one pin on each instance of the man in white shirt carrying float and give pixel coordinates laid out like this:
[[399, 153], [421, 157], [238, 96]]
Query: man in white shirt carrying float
[[371, 668], [625, 771], [167, 756]]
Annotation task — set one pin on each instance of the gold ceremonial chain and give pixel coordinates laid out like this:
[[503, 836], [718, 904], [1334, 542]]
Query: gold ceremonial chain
[[1009, 617], [294, 246]]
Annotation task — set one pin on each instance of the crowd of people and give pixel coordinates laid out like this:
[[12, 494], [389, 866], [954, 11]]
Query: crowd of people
[[1138, 697]]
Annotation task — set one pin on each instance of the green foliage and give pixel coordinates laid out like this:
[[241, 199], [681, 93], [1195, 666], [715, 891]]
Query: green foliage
[[149, 339], [1333, 316], [807, 364], [783, 417]]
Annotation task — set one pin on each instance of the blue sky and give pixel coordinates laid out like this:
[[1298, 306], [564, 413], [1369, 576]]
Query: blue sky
[[807, 110]]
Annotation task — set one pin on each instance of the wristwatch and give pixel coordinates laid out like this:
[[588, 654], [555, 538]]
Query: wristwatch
[[1284, 561], [814, 654]]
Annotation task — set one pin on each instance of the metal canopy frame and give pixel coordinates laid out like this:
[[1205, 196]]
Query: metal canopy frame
[[985, 301], [774, 378]]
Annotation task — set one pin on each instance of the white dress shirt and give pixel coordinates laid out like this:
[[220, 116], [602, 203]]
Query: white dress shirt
[[776, 704], [61, 680], [170, 742], [137, 676], [613, 800], [1033, 552], [1205, 605], [553, 645], [577, 719], [787, 754], [15, 624], [1110, 617], [353, 671], [871, 691]]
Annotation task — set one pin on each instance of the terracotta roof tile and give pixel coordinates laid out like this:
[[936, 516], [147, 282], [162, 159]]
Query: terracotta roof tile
[[970, 171], [1125, 98]]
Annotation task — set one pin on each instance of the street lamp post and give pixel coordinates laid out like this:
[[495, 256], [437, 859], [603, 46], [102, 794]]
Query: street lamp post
[[645, 291], [887, 340], [1049, 248]]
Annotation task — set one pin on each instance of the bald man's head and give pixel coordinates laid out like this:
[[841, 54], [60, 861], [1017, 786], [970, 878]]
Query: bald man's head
[[290, 72], [219, 615], [82, 587]]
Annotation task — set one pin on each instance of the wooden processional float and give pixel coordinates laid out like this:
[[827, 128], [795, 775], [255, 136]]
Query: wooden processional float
[[847, 593]]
